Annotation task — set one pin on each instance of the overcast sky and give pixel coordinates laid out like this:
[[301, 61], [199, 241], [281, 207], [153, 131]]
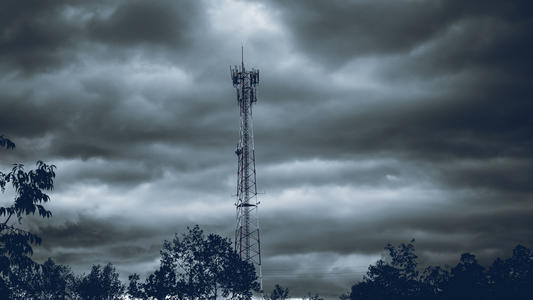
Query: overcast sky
[[377, 122]]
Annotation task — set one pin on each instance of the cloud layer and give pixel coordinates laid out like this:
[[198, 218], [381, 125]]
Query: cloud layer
[[377, 122]]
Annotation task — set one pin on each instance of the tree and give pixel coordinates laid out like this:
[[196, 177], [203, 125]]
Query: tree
[[512, 278], [55, 281], [397, 279], [162, 283], [468, 280], [42, 281], [23, 281], [279, 293], [433, 282], [100, 283], [16, 243], [196, 266], [135, 287], [6, 143], [506, 279]]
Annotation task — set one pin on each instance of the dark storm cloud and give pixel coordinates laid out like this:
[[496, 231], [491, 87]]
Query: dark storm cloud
[[95, 118], [474, 58], [434, 129], [90, 232], [135, 23], [34, 35], [89, 241], [485, 103], [40, 36], [437, 228], [508, 177], [335, 31], [377, 172], [377, 122], [105, 172]]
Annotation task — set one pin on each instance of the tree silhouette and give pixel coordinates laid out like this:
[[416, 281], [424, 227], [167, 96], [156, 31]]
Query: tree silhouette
[[433, 282], [100, 283], [196, 266], [279, 293], [135, 287], [55, 281], [41, 281], [512, 278], [23, 281], [6, 143], [468, 280], [16, 243], [163, 283], [397, 279]]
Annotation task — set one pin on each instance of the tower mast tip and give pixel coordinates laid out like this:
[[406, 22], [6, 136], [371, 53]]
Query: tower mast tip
[[242, 56]]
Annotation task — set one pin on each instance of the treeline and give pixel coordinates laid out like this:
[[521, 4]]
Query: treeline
[[399, 277], [193, 266], [52, 281]]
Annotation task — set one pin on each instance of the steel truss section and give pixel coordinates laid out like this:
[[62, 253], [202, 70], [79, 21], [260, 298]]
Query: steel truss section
[[247, 233]]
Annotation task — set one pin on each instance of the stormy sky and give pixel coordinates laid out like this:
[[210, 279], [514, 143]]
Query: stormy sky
[[377, 122]]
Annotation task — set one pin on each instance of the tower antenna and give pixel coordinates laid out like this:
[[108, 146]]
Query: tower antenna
[[247, 241]]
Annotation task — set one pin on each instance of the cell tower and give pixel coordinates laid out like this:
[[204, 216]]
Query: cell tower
[[247, 242]]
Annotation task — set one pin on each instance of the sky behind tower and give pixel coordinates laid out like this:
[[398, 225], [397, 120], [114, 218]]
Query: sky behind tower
[[377, 122]]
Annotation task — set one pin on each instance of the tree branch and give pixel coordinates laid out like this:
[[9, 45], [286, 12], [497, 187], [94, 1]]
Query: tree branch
[[8, 217]]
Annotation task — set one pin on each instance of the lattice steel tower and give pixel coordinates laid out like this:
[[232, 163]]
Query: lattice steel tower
[[247, 242]]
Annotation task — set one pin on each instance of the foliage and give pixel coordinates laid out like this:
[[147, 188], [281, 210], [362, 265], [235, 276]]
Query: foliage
[[512, 278], [279, 293], [23, 281], [100, 283], [6, 143], [399, 279], [30, 189], [467, 280], [396, 279], [162, 283], [41, 281], [56, 281], [135, 287], [433, 282], [196, 266]]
